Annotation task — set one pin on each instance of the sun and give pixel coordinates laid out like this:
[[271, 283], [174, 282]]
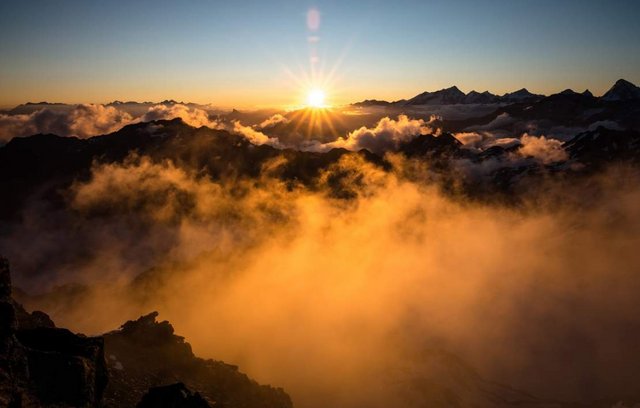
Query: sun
[[315, 99]]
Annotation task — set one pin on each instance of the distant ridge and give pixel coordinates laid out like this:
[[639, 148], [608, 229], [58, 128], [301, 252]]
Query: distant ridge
[[620, 91]]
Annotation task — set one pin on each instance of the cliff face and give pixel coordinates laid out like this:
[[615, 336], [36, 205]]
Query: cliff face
[[41, 365]]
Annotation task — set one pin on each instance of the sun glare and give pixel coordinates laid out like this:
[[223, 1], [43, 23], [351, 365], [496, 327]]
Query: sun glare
[[315, 99]]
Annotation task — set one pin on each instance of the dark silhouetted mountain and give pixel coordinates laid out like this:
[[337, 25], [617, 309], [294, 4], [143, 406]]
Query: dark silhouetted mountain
[[447, 96], [30, 107], [485, 97], [621, 91], [568, 92], [520, 96], [45, 366], [371, 102], [47, 163], [172, 396], [604, 145], [454, 96], [432, 146], [569, 109], [147, 354]]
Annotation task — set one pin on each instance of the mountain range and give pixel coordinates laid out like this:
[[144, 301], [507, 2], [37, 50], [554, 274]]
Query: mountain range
[[622, 90]]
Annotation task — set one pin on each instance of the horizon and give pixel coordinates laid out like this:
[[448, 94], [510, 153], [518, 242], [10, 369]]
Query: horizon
[[300, 105], [252, 56]]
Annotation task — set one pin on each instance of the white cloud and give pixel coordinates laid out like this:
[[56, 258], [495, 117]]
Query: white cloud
[[81, 121], [545, 150], [387, 135]]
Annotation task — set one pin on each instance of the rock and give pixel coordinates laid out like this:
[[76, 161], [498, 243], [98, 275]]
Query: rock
[[41, 365], [146, 353], [172, 396]]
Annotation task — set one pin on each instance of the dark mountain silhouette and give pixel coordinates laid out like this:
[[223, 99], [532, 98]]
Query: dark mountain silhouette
[[44, 164], [567, 108], [602, 146], [172, 396], [146, 353], [448, 96], [485, 97], [41, 166], [372, 102], [520, 96], [621, 91], [45, 366], [454, 96]]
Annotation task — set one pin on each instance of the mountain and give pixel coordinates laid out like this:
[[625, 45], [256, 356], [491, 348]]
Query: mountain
[[622, 91], [42, 365], [30, 107], [520, 96], [371, 102], [602, 145], [454, 96], [444, 145], [147, 353], [448, 96], [485, 97], [55, 161]]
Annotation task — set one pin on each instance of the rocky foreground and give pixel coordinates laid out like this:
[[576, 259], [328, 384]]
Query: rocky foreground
[[143, 364]]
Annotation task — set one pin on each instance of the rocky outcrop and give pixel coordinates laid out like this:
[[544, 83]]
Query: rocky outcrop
[[172, 396], [146, 353], [148, 365], [41, 365]]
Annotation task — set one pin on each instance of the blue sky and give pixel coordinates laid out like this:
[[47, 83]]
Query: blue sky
[[237, 53]]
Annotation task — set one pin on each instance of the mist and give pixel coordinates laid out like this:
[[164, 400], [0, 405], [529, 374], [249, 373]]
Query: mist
[[351, 301]]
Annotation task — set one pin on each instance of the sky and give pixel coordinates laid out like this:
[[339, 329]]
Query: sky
[[259, 54]]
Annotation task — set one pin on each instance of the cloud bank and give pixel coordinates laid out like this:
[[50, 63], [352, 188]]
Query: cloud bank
[[81, 121], [332, 298]]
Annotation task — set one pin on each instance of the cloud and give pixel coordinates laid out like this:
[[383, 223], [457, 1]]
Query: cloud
[[387, 135], [91, 120], [190, 115], [198, 117], [254, 136], [483, 140], [82, 121], [272, 121], [364, 269], [470, 139], [545, 150]]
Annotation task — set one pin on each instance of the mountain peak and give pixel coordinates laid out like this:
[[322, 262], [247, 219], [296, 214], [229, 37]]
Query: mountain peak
[[623, 82], [622, 90]]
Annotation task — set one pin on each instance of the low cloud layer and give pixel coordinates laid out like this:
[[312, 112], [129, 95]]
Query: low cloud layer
[[387, 135], [191, 116], [81, 121], [334, 299], [85, 121]]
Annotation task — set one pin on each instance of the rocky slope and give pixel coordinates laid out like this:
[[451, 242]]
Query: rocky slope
[[41, 365], [147, 365]]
